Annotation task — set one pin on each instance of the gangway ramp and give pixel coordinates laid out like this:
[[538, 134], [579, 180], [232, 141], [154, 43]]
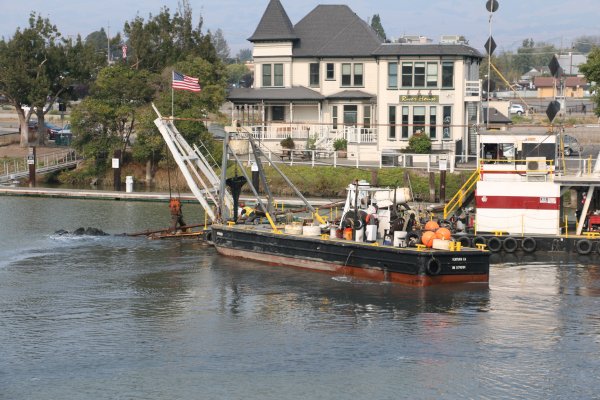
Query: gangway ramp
[[200, 173]]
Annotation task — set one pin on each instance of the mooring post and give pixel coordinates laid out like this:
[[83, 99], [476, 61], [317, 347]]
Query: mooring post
[[432, 187], [31, 164]]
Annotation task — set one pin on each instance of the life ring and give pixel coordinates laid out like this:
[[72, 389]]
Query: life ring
[[479, 240], [583, 246], [433, 267], [208, 236], [464, 241], [529, 245], [494, 244], [510, 244]]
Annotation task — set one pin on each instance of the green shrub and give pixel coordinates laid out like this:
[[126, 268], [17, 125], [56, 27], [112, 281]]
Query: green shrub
[[340, 144], [419, 143], [288, 143]]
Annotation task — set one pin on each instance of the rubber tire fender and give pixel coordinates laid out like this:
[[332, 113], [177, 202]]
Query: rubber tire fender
[[464, 241], [479, 239], [528, 245], [433, 267], [510, 244], [494, 244], [583, 247], [208, 236]]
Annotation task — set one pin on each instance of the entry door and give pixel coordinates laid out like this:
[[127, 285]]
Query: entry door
[[350, 115]]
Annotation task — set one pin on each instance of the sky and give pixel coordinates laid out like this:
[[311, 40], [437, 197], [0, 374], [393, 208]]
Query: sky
[[558, 22]]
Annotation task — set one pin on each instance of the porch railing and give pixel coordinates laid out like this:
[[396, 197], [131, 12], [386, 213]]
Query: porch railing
[[319, 132]]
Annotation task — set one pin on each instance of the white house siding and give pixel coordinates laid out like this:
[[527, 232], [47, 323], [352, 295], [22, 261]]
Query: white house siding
[[272, 49]]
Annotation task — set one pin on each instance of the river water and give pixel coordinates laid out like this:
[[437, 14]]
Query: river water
[[128, 318]]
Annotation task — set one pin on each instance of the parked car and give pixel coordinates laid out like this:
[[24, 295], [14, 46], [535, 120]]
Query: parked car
[[57, 131], [571, 145], [516, 109], [51, 130]]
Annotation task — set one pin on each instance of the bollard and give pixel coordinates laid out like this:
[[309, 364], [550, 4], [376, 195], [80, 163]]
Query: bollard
[[129, 184]]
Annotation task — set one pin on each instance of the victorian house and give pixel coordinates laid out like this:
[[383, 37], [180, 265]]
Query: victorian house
[[331, 76]]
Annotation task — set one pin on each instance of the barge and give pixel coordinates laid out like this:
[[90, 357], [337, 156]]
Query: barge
[[274, 238]]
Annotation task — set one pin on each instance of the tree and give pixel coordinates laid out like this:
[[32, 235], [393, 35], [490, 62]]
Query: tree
[[220, 44], [591, 70], [191, 107], [105, 120], [377, 27], [37, 67], [164, 40], [244, 55], [98, 40], [585, 44], [236, 73]]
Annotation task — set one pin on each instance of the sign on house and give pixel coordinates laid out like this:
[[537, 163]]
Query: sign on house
[[418, 98]]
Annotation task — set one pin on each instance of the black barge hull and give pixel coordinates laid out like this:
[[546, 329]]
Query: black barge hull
[[408, 266]]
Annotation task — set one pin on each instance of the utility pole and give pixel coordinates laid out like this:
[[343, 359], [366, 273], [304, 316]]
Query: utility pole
[[108, 44]]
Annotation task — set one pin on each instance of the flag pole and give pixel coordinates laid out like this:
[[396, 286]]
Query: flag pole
[[172, 94]]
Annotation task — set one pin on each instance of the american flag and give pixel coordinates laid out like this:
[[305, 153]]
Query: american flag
[[185, 82]]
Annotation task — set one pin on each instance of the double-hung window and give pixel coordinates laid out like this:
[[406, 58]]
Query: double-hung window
[[330, 72], [267, 75], [314, 74], [392, 122], [393, 75], [278, 75], [447, 74], [352, 74], [419, 79], [432, 75], [407, 74], [272, 75]]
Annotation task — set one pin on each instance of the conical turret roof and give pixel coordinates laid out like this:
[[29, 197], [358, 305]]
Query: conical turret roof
[[274, 24]]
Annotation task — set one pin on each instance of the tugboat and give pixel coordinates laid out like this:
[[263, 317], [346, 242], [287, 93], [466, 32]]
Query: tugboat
[[519, 191], [313, 243]]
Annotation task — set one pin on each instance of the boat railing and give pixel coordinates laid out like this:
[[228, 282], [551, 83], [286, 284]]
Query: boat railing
[[466, 189]]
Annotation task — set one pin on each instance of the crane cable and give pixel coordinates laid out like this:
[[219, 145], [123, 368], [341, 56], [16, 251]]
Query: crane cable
[[509, 85]]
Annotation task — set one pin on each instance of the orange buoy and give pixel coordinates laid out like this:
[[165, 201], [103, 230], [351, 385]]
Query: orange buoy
[[427, 238], [443, 233], [431, 226], [348, 233]]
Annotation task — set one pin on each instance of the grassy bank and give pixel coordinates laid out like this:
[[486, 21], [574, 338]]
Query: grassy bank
[[325, 181]]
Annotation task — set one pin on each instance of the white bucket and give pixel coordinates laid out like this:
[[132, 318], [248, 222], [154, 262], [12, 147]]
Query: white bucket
[[359, 235], [441, 244], [399, 239], [332, 231], [311, 230], [371, 233], [293, 229]]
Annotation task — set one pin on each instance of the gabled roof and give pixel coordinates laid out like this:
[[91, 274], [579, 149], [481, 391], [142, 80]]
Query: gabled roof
[[334, 31], [298, 93], [403, 49], [274, 25], [548, 81]]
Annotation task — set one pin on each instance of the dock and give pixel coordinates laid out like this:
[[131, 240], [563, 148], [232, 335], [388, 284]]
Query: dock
[[94, 194]]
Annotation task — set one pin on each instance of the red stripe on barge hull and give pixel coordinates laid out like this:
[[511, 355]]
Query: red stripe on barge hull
[[357, 272], [514, 202]]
